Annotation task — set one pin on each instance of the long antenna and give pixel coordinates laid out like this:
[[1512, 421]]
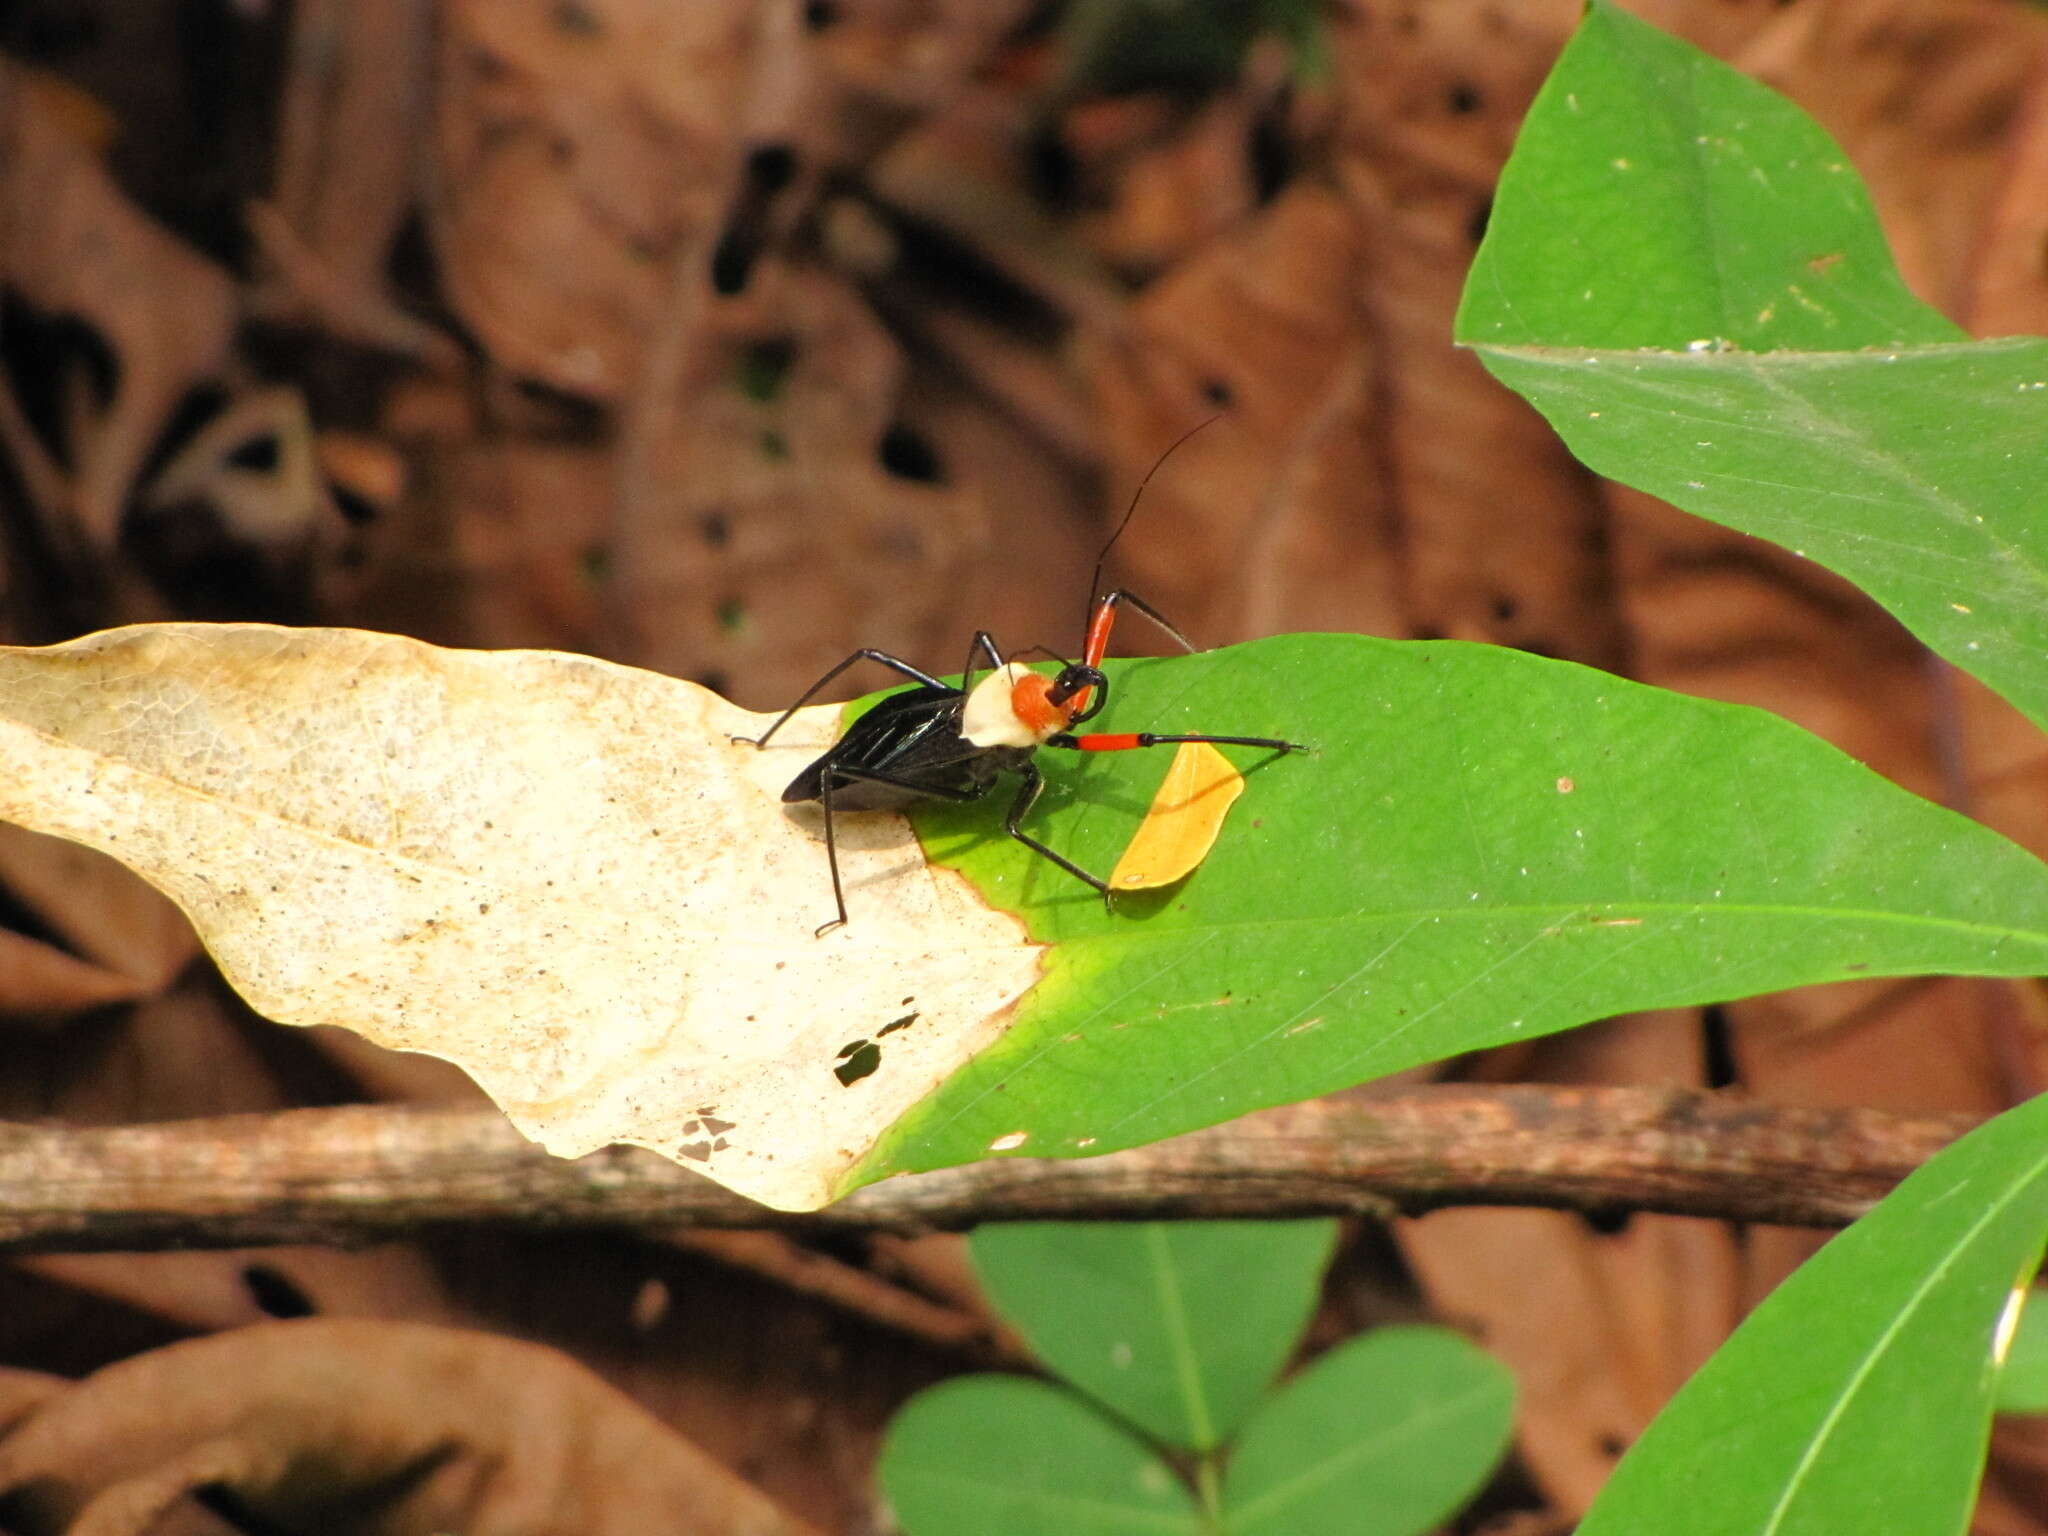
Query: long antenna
[[1095, 581]]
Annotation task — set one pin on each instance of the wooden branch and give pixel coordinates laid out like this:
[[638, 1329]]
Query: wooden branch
[[373, 1173]]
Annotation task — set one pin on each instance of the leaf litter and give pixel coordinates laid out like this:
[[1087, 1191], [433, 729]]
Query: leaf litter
[[561, 874]]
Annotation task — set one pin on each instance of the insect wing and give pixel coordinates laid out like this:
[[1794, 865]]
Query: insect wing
[[1183, 822]]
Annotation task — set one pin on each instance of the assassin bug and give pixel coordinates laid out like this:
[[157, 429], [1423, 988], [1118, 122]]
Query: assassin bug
[[938, 742]]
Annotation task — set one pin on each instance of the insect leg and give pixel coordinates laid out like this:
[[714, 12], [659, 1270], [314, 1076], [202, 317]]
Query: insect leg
[[831, 856], [809, 693], [985, 643], [832, 843], [1027, 795], [1124, 742], [1097, 643]]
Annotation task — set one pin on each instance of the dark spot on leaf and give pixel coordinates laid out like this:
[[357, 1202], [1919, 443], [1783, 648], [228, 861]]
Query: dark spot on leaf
[[356, 510], [1054, 172], [695, 1151], [908, 455], [258, 453], [764, 367], [1464, 99], [771, 167], [895, 1024], [866, 1057], [714, 1125], [275, 1293], [1219, 393]]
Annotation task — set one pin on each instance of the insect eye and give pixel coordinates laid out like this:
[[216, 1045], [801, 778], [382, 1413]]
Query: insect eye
[[1071, 681]]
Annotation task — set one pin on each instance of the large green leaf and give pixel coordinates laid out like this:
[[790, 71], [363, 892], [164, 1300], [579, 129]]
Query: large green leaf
[[1003, 1456], [1178, 1326], [1915, 473], [1858, 1396], [1657, 198], [1385, 1435], [1486, 847], [1685, 276]]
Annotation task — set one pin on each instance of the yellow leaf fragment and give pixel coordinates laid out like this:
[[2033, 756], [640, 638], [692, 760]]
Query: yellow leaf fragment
[[1183, 822], [557, 873]]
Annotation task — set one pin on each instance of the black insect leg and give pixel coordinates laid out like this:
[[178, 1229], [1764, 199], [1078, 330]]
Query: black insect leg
[[832, 842], [1113, 600], [985, 643], [1027, 796], [831, 848], [811, 692]]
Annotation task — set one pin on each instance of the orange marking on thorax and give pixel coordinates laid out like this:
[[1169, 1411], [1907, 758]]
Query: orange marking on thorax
[[1031, 702]]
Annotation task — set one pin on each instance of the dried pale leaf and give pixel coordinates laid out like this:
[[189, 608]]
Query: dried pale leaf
[[1184, 820], [560, 874]]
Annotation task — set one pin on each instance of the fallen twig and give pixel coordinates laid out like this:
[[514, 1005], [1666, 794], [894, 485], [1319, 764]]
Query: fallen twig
[[370, 1174]]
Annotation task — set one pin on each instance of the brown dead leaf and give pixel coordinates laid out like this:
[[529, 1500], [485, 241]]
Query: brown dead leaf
[[1272, 517], [759, 534], [72, 244], [281, 505], [365, 1427], [1499, 543], [558, 873], [1599, 1328], [41, 982], [100, 908], [577, 146]]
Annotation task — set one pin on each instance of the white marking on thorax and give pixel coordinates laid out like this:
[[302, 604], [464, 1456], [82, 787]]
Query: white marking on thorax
[[988, 719]]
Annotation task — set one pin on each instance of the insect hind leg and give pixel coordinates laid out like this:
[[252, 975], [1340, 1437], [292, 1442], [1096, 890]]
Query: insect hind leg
[[858, 775]]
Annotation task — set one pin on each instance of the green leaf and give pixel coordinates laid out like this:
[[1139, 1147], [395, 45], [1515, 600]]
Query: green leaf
[[2023, 1378], [1657, 198], [1914, 473], [1686, 277], [1858, 1396], [1488, 846], [1178, 1326], [1003, 1456], [1386, 1435]]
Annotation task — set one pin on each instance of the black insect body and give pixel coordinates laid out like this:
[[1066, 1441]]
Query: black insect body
[[938, 742], [907, 748]]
